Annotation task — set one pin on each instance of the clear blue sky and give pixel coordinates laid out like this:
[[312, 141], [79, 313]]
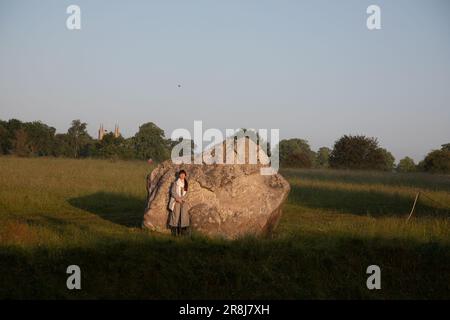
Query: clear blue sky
[[310, 68]]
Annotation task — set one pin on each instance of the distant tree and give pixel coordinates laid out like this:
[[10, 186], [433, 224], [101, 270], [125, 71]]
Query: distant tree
[[5, 145], [323, 157], [186, 142], [359, 152], [21, 145], [446, 147], [253, 135], [78, 139], [420, 166], [26, 138], [437, 161], [150, 142], [296, 153], [40, 138], [389, 160], [113, 147], [406, 165], [9, 142], [61, 146], [127, 148], [13, 125]]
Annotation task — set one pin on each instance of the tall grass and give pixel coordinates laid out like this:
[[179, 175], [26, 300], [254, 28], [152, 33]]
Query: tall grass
[[57, 212]]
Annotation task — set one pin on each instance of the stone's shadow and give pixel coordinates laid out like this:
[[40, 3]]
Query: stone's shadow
[[360, 202], [115, 207]]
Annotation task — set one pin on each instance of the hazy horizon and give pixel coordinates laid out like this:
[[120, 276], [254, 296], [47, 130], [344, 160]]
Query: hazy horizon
[[309, 68]]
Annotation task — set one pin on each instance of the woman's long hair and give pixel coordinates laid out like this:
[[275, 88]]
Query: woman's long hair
[[185, 180]]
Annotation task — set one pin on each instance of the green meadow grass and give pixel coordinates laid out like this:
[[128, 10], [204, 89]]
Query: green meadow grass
[[59, 212]]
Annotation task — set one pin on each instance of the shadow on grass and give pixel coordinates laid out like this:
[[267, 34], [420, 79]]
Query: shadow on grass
[[360, 202], [315, 267], [114, 207], [437, 182]]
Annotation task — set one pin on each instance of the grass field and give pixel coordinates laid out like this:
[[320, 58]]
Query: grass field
[[59, 212]]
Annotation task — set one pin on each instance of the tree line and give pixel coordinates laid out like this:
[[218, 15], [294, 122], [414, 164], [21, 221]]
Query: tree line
[[359, 153], [35, 138]]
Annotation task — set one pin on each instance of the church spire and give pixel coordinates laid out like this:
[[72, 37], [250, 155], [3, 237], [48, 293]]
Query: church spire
[[101, 132]]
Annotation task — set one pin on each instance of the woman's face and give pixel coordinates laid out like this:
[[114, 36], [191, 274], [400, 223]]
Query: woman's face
[[182, 176]]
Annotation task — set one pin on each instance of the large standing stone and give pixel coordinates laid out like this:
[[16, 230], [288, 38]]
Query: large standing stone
[[228, 200]]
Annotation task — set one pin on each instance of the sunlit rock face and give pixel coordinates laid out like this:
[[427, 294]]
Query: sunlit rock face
[[225, 200]]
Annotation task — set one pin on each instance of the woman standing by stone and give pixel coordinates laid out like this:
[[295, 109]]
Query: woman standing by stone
[[179, 220]]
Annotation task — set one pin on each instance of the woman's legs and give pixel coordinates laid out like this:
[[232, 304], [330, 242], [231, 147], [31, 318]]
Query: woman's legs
[[179, 223], [184, 216], [179, 230]]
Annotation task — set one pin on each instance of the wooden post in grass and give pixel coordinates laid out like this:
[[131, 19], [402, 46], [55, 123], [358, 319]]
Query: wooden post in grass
[[414, 206]]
